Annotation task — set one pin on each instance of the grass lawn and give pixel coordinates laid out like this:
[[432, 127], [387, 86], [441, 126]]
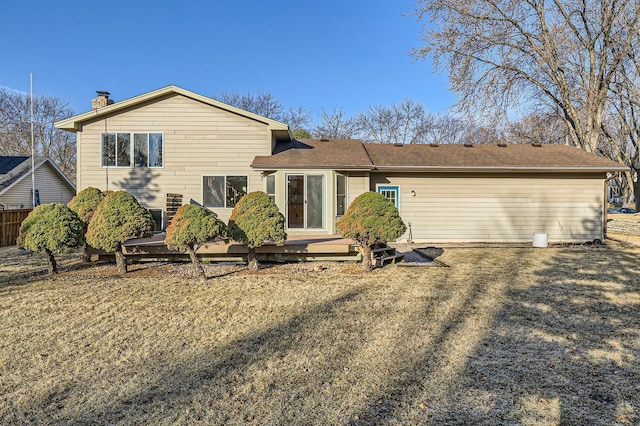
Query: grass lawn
[[502, 336]]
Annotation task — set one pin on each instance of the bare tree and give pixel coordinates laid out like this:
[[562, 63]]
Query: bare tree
[[478, 134], [537, 128], [336, 125], [447, 130], [264, 104], [500, 54], [404, 123], [298, 120], [621, 129], [15, 129]]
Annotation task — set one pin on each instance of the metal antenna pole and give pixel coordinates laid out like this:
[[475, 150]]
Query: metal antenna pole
[[33, 150]]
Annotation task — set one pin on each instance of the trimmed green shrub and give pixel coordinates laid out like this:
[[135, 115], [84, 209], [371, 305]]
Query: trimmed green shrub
[[191, 228], [371, 218], [85, 204], [51, 228], [255, 220], [118, 217]]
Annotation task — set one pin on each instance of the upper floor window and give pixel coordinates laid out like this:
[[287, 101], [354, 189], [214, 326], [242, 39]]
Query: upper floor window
[[125, 149]]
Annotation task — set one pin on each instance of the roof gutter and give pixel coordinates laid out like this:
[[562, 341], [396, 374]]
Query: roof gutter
[[357, 168]]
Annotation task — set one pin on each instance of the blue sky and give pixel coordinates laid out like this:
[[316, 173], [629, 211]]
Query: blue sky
[[348, 54]]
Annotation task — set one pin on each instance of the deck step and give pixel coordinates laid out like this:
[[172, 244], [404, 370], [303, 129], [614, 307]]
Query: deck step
[[389, 250], [386, 260]]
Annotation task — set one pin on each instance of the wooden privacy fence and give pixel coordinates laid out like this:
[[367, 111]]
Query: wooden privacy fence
[[10, 221]]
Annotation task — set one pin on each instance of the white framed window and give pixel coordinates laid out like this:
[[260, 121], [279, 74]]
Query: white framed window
[[223, 191], [391, 193], [341, 194], [129, 149], [270, 186]]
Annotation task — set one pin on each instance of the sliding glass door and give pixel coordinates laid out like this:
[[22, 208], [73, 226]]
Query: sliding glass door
[[305, 201]]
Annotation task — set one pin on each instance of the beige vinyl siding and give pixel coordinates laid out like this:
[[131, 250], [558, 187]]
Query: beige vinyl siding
[[499, 208], [198, 140], [357, 183], [51, 187]]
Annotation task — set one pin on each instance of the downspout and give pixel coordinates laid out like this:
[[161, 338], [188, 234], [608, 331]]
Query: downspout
[[606, 201]]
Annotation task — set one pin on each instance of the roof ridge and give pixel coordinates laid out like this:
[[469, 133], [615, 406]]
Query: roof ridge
[[70, 123]]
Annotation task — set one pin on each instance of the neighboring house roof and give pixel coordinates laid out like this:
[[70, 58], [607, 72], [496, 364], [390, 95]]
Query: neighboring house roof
[[353, 154], [9, 163], [13, 169], [72, 124], [344, 154]]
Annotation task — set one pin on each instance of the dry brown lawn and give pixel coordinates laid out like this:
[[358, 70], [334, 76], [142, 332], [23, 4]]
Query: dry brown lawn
[[624, 228], [628, 217], [502, 336]]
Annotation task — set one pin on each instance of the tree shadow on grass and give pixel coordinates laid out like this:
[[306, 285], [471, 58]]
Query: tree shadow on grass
[[560, 348], [13, 259], [545, 335], [220, 368], [564, 348]]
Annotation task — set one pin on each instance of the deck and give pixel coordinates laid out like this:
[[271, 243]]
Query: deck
[[296, 248]]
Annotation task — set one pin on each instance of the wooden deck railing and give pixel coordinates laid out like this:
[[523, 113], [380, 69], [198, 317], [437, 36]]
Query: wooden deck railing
[[10, 221]]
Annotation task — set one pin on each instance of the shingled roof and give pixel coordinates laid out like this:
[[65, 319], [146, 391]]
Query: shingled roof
[[12, 169], [353, 154], [342, 154], [545, 157], [15, 168]]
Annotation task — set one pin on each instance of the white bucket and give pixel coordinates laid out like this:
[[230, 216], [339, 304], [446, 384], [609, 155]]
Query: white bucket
[[540, 240]]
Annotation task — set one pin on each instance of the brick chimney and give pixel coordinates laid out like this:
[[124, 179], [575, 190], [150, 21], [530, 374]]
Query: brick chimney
[[102, 100]]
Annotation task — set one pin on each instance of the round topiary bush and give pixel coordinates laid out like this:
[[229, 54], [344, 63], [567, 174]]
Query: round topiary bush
[[51, 228], [85, 204], [255, 220], [118, 217], [371, 218], [191, 227]]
